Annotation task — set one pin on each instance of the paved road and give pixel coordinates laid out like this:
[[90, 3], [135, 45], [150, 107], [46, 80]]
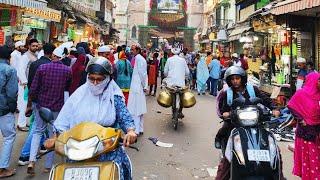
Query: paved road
[[190, 156]]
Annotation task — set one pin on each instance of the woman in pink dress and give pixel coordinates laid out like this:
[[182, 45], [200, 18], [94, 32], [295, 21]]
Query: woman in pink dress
[[305, 105]]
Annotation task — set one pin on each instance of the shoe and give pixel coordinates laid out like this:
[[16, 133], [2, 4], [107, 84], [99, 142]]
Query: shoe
[[43, 149], [23, 161], [203, 93], [141, 133], [23, 129], [181, 115], [30, 169], [4, 173], [199, 94]]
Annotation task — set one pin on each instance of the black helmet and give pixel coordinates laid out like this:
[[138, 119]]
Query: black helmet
[[235, 70], [99, 65]]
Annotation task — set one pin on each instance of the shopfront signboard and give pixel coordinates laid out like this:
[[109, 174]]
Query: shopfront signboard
[[48, 14], [34, 23]]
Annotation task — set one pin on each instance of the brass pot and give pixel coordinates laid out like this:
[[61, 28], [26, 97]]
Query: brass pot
[[188, 99], [164, 99]]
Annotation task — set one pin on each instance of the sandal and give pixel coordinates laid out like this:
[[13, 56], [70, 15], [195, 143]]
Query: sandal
[[7, 172], [30, 169]]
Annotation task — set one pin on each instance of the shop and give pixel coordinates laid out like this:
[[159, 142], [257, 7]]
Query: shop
[[37, 22], [8, 19]]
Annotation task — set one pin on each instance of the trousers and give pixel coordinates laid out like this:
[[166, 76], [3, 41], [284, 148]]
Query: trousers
[[8, 131]]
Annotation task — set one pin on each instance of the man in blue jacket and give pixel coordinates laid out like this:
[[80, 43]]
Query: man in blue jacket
[[8, 105]]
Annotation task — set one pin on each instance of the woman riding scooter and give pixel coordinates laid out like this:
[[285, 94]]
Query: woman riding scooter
[[100, 100], [236, 79]]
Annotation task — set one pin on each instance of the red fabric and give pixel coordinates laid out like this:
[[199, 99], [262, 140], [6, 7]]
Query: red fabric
[[126, 97], [307, 159], [244, 64], [152, 74], [111, 58], [77, 70]]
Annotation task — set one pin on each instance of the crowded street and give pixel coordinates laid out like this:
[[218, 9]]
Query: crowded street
[[190, 156], [160, 89]]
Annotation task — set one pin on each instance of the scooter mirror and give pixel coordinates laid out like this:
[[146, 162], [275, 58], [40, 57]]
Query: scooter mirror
[[46, 114]]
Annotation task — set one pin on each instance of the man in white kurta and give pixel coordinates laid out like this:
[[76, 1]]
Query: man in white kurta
[[16, 62], [26, 59], [137, 100], [176, 70]]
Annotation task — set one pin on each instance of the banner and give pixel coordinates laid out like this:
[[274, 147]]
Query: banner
[[168, 5]]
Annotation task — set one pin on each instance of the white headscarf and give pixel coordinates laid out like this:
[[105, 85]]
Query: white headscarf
[[84, 106]]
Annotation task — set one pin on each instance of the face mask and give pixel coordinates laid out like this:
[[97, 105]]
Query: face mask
[[99, 88]]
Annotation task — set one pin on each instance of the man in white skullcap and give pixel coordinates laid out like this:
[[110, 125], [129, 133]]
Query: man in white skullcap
[[302, 73], [17, 53], [236, 60], [104, 51]]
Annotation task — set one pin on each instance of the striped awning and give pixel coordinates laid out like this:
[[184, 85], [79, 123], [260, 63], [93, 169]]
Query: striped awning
[[37, 4], [290, 6]]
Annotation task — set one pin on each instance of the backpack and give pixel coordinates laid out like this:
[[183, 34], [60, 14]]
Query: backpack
[[249, 88]]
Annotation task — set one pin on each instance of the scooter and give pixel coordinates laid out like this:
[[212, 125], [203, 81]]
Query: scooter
[[282, 127], [82, 145], [251, 149]]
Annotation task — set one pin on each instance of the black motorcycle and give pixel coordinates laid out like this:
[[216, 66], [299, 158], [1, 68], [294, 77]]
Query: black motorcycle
[[251, 149]]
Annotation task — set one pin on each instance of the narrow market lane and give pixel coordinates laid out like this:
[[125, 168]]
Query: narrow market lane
[[190, 156]]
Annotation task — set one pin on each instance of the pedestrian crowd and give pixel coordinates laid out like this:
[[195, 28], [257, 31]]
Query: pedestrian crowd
[[36, 75]]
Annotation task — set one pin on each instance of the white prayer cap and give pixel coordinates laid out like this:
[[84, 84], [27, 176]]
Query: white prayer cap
[[58, 52], [235, 55], [18, 43], [103, 49], [301, 60]]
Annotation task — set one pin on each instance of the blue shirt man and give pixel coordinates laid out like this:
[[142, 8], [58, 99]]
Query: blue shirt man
[[214, 70], [8, 105]]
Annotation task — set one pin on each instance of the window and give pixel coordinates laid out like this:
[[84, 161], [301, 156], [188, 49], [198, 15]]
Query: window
[[134, 32]]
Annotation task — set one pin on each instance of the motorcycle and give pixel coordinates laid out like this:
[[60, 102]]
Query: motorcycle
[[251, 149], [176, 94], [282, 127], [176, 97], [82, 145]]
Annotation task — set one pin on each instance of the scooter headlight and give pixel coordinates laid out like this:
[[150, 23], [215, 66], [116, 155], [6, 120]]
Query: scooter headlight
[[248, 116], [79, 151]]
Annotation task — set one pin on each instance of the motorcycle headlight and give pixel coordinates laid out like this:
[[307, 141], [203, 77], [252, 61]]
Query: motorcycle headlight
[[79, 151], [248, 117]]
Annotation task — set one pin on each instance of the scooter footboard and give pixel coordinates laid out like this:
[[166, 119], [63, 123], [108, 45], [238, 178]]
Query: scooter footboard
[[86, 170]]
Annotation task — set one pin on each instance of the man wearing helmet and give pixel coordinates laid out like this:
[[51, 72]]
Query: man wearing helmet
[[236, 79], [176, 72], [99, 100]]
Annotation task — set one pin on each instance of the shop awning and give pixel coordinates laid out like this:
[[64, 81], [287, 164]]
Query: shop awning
[[236, 33], [37, 4], [289, 6]]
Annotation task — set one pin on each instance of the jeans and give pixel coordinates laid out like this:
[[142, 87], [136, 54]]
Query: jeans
[[39, 128], [214, 86], [25, 151], [208, 84], [8, 131]]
